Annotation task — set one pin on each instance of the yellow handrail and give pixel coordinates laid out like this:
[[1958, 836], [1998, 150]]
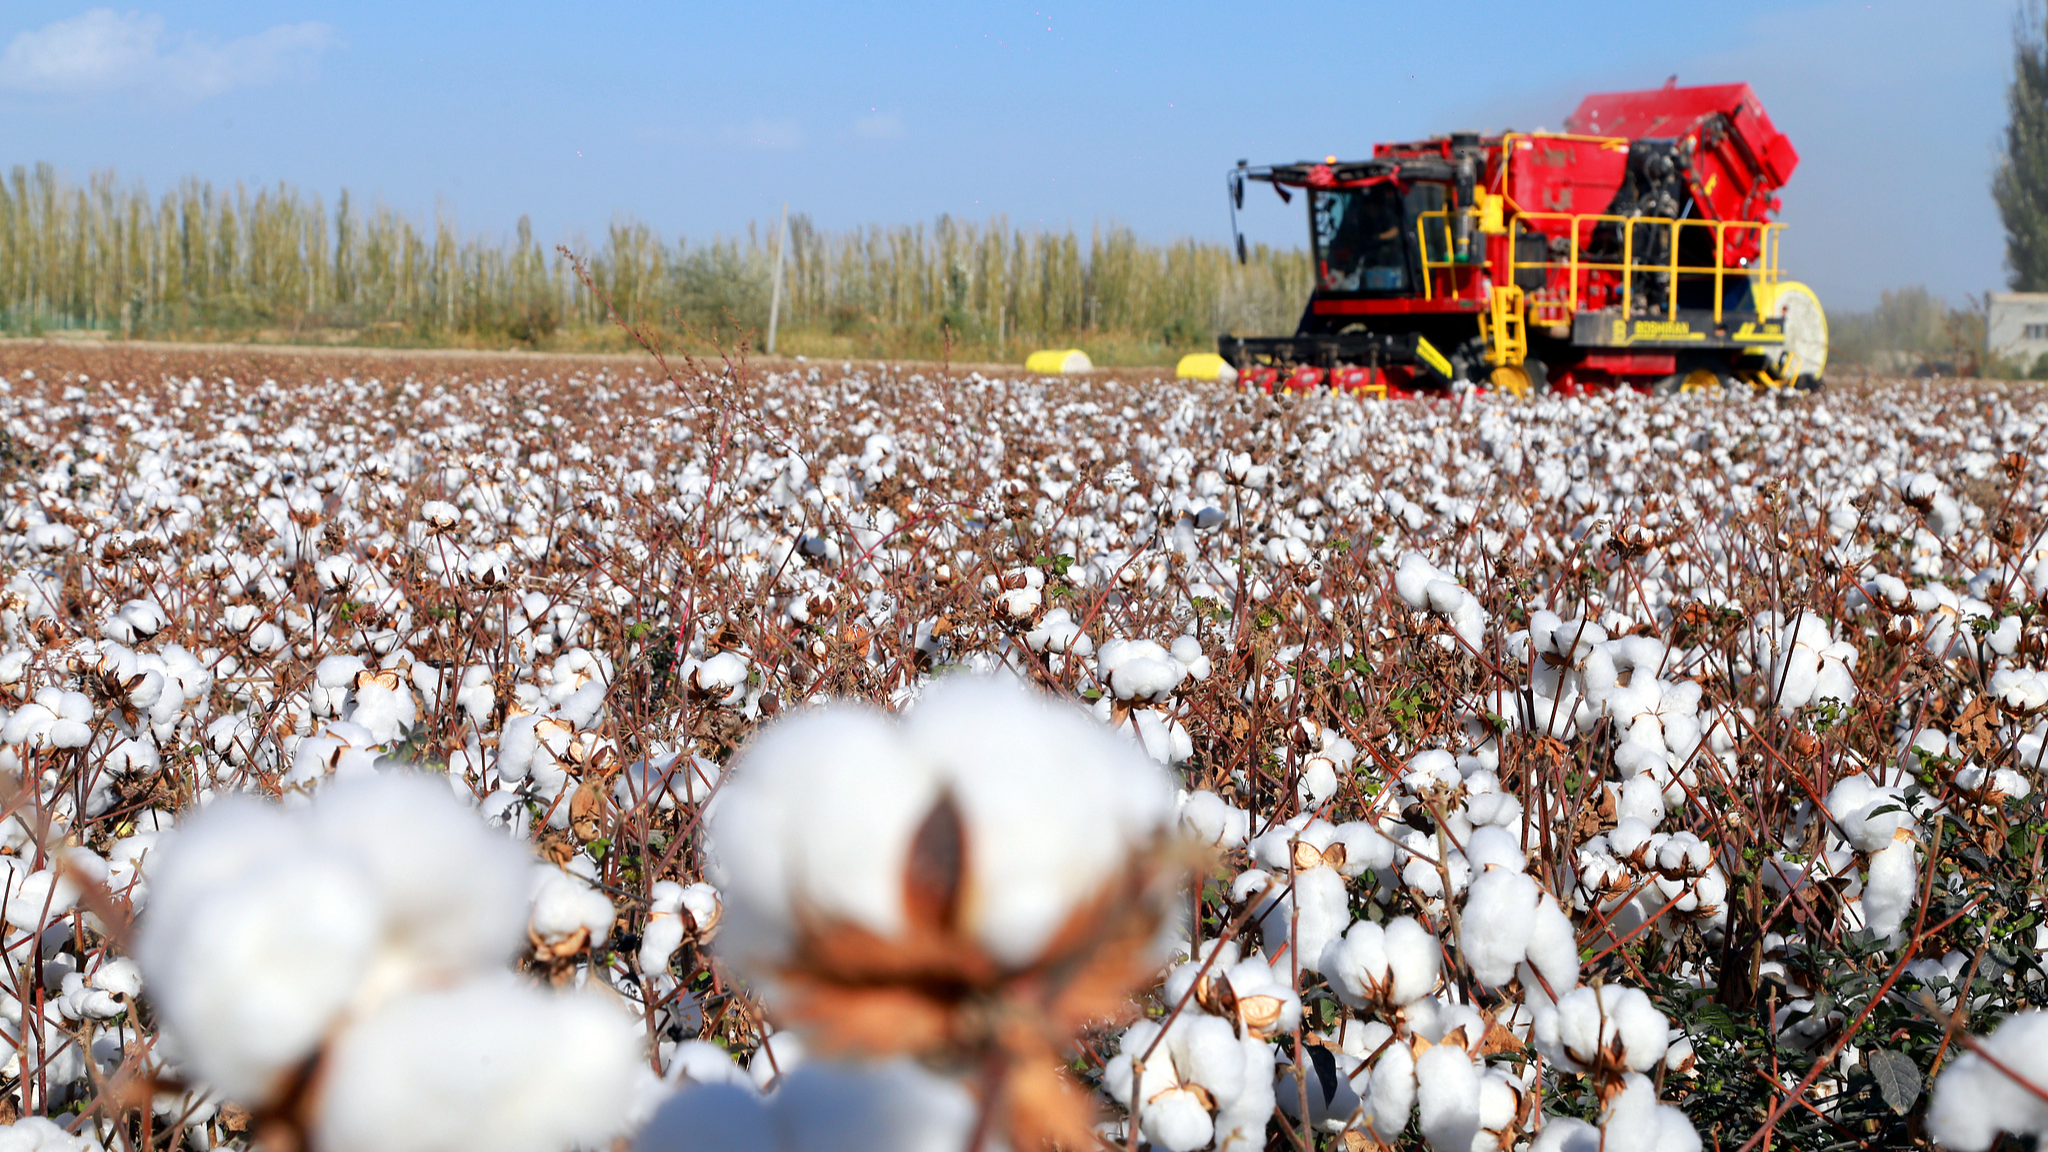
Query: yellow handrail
[[1763, 271]]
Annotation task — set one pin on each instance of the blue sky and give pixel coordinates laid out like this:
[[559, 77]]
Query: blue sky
[[699, 118]]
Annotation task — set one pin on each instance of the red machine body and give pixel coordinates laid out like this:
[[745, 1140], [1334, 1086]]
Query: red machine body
[[1634, 247]]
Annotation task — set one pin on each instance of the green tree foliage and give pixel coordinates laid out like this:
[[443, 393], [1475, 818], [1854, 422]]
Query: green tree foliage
[[2021, 184], [207, 261]]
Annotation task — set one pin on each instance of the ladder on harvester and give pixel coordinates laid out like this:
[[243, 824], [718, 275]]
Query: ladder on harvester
[[1505, 329]]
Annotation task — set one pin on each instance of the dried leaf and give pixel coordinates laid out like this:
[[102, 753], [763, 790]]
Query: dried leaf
[[1898, 1078], [1977, 728], [586, 810]]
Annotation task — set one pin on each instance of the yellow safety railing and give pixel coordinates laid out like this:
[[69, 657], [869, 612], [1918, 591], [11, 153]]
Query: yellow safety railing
[[1439, 257]]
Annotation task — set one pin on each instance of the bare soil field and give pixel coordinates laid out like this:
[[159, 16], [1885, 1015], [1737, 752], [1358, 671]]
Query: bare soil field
[[469, 751]]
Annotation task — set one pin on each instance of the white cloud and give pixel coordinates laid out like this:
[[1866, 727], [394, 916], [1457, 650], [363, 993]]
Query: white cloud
[[880, 126], [766, 135], [107, 51]]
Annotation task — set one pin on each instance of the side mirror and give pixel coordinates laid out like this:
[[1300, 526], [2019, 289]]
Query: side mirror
[[1237, 187], [1240, 248]]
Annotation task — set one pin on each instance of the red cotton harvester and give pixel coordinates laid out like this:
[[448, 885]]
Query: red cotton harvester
[[1633, 249]]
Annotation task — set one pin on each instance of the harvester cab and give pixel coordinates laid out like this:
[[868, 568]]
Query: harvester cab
[[1633, 249]]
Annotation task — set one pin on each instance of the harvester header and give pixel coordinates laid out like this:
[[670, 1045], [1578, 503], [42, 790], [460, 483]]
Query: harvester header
[[1634, 248]]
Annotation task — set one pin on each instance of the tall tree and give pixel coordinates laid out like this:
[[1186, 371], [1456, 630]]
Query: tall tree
[[2021, 185]]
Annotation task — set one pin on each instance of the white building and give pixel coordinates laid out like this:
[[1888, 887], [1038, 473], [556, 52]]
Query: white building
[[2017, 327]]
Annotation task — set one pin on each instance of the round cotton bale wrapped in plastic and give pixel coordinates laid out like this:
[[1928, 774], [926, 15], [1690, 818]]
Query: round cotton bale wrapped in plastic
[[1205, 366], [1058, 361]]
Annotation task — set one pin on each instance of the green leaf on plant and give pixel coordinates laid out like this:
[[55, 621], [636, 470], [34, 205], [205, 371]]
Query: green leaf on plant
[[1898, 1078]]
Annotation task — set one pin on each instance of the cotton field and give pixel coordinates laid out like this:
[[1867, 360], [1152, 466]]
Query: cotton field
[[450, 755]]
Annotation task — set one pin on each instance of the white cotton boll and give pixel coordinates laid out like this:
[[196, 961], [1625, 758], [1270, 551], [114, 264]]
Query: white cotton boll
[[1447, 1098], [1321, 910], [1974, 1101], [713, 1117], [252, 947], [1392, 1092], [892, 1107], [1592, 1026], [564, 906], [780, 1054], [1058, 633], [581, 708], [1888, 893], [1317, 781], [1635, 1122], [1855, 802], [1498, 917], [1365, 848], [39, 898], [1490, 846], [1053, 803], [386, 710], [1274, 848], [1432, 771], [1187, 650], [1388, 966], [490, 1066], [1213, 820], [665, 930], [1642, 798], [1553, 953], [819, 810], [262, 926], [702, 1062], [453, 893], [1566, 1134], [1412, 579], [1145, 679], [332, 680]]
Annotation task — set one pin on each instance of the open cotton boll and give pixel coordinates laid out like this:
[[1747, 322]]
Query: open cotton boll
[[263, 926], [452, 892], [1447, 1098], [1382, 966], [1605, 1030], [891, 1107], [1057, 632], [1412, 578], [1307, 919], [1210, 819], [1974, 1101], [820, 812], [41, 1134], [1888, 893], [1197, 1069], [1855, 801], [492, 1065], [1392, 1092], [567, 912], [1500, 913], [252, 947], [1634, 1121], [1553, 953], [1491, 846]]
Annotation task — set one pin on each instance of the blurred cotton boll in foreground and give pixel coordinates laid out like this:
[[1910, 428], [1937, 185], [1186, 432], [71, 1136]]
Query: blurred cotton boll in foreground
[[994, 841], [892, 1107], [344, 966]]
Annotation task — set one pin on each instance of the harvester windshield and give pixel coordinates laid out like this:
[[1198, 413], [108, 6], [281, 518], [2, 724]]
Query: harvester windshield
[[1360, 238]]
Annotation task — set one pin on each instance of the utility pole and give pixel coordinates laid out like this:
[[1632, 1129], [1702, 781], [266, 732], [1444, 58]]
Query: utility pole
[[775, 294]]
